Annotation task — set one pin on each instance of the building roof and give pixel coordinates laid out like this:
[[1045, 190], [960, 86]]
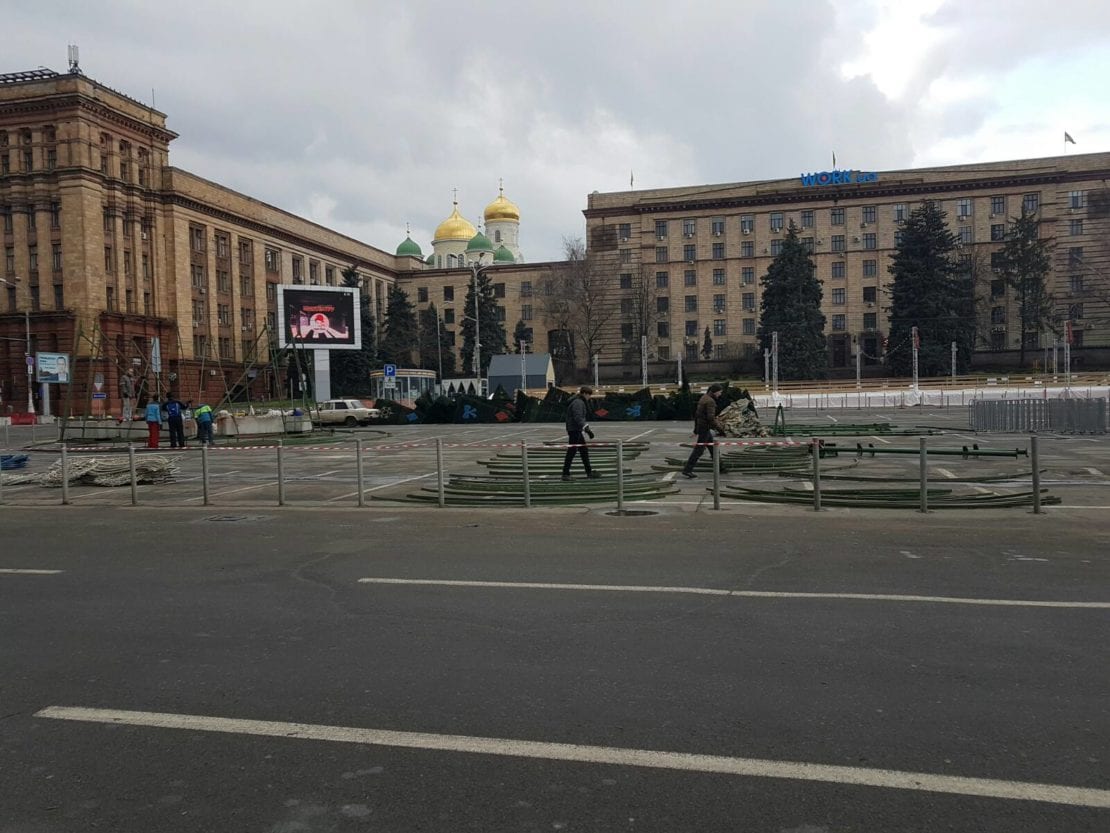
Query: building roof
[[508, 364]]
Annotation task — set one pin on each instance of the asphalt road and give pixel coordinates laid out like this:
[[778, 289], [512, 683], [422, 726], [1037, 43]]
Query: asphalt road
[[320, 702]]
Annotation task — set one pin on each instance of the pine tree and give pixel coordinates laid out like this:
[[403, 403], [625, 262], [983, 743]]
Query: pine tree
[[433, 352], [707, 345], [492, 329], [399, 333], [1025, 263], [350, 369], [791, 306], [520, 333], [931, 291]]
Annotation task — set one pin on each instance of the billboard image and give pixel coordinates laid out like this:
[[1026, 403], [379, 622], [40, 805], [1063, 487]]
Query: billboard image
[[52, 367], [319, 317]]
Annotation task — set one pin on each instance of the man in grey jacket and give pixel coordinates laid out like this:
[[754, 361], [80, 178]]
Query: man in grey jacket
[[578, 425]]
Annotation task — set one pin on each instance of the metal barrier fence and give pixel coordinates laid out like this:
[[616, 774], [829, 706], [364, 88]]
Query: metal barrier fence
[[1068, 416]]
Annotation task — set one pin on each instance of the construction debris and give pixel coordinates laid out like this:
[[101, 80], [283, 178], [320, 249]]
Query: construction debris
[[740, 419], [102, 471], [12, 461]]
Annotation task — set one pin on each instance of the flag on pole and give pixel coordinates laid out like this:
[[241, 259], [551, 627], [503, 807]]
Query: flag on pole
[[834, 158], [631, 179], [1068, 138]]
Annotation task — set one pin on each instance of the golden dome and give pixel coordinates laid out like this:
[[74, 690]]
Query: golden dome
[[502, 209], [455, 227]]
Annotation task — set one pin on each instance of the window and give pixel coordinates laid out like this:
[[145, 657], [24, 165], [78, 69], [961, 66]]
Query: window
[[837, 269], [718, 277], [525, 290], [298, 269], [747, 275], [34, 288], [148, 308], [11, 299], [329, 275], [7, 212], [1075, 256], [499, 290], [689, 227], [690, 278], [1075, 227], [223, 314], [747, 301], [747, 249], [719, 327], [719, 302], [272, 258], [244, 251], [223, 280], [747, 223], [776, 221], [199, 281], [998, 232], [661, 255], [1030, 203], [998, 206], [717, 226], [500, 313], [626, 332], [449, 292], [898, 237], [870, 241], [664, 352], [129, 301], [1077, 199], [225, 347], [422, 294], [691, 328], [59, 296], [107, 220], [870, 294], [624, 231], [663, 329], [838, 242], [691, 303], [32, 219], [448, 316], [998, 288], [998, 315], [246, 286], [626, 255], [776, 248], [660, 229], [869, 213], [838, 322], [662, 280], [109, 293], [1076, 338], [55, 215], [807, 218], [1075, 283], [870, 321], [223, 245], [626, 281], [1075, 312], [107, 258], [9, 259], [870, 268], [663, 305], [718, 251], [56, 256], [689, 252], [196, 235], [963, 208], [967, 235], [838, 296], [748, 326], [836, 216], [497, 239], [526, 313], [807, 244]]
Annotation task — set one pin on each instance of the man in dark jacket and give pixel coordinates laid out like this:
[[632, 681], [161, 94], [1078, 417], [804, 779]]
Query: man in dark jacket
[[175, 418], [577, 425], [705, 421]]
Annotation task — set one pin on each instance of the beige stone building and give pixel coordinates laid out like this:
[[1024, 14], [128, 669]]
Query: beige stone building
[[699, 252]]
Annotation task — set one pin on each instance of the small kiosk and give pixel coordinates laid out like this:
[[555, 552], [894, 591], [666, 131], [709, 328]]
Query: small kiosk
[[405, 385]]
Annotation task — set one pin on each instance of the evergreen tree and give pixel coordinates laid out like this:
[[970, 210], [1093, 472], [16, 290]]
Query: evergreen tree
[[1025, 263], [791, 306], [433, 352], [520, 333], [399, 333], [707, 345], [492, 330], [350, 369], [931, 291]]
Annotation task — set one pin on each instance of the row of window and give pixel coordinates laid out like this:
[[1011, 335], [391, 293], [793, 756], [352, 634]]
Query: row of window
[[7, 213], [33, 259], [272, 261], [777, 221], [35, 292], [422, 295]]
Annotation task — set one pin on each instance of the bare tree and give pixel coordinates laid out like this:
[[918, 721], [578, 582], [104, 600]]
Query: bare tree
[[641, 315], [588, 296]]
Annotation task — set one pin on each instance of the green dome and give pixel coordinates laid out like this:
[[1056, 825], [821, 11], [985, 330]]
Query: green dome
[[479, 243], [431, 260], [409, 248], [503, 255]]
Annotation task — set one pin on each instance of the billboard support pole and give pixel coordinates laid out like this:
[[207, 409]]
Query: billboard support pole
[[321, 365]]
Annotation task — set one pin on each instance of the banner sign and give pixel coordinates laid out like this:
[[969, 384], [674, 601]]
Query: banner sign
[[839, 178], [53, 368]]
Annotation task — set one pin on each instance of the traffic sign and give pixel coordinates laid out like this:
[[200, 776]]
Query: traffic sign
[[156, 354], [31, 361], [390, 382], [390, 371], [100, 396]]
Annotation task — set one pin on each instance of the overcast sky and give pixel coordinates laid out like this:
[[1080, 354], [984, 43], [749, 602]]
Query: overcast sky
[[364, 116]]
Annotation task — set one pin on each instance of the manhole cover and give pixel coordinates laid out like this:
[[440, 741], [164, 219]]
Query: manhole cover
[[631, 513]]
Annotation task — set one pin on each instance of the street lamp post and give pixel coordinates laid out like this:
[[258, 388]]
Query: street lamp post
[[475, 269], [27, 352]]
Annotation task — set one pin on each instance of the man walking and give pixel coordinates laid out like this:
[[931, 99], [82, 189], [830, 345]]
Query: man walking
[[577, 425], [127, 396], [705, 421], [175, 418]]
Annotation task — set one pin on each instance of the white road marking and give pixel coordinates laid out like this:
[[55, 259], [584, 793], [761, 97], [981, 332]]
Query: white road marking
[[13, 571], [1095, 472], [608, 755], [641, 434], [754, 594], [383, 486], [944, 472], [880, 439], [829, 416]]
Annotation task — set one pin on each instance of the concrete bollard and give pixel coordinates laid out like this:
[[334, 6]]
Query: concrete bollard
[[65, 477], [439, 474], [1035, 457], [815, 447], [132, 475], [358, 472], [204, 472], [524, 474], [924, 476], [281, 473]]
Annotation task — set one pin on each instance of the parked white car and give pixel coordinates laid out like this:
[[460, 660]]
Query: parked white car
[[349, 412]]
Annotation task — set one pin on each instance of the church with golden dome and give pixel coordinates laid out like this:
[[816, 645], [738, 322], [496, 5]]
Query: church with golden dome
[[457, 243]]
